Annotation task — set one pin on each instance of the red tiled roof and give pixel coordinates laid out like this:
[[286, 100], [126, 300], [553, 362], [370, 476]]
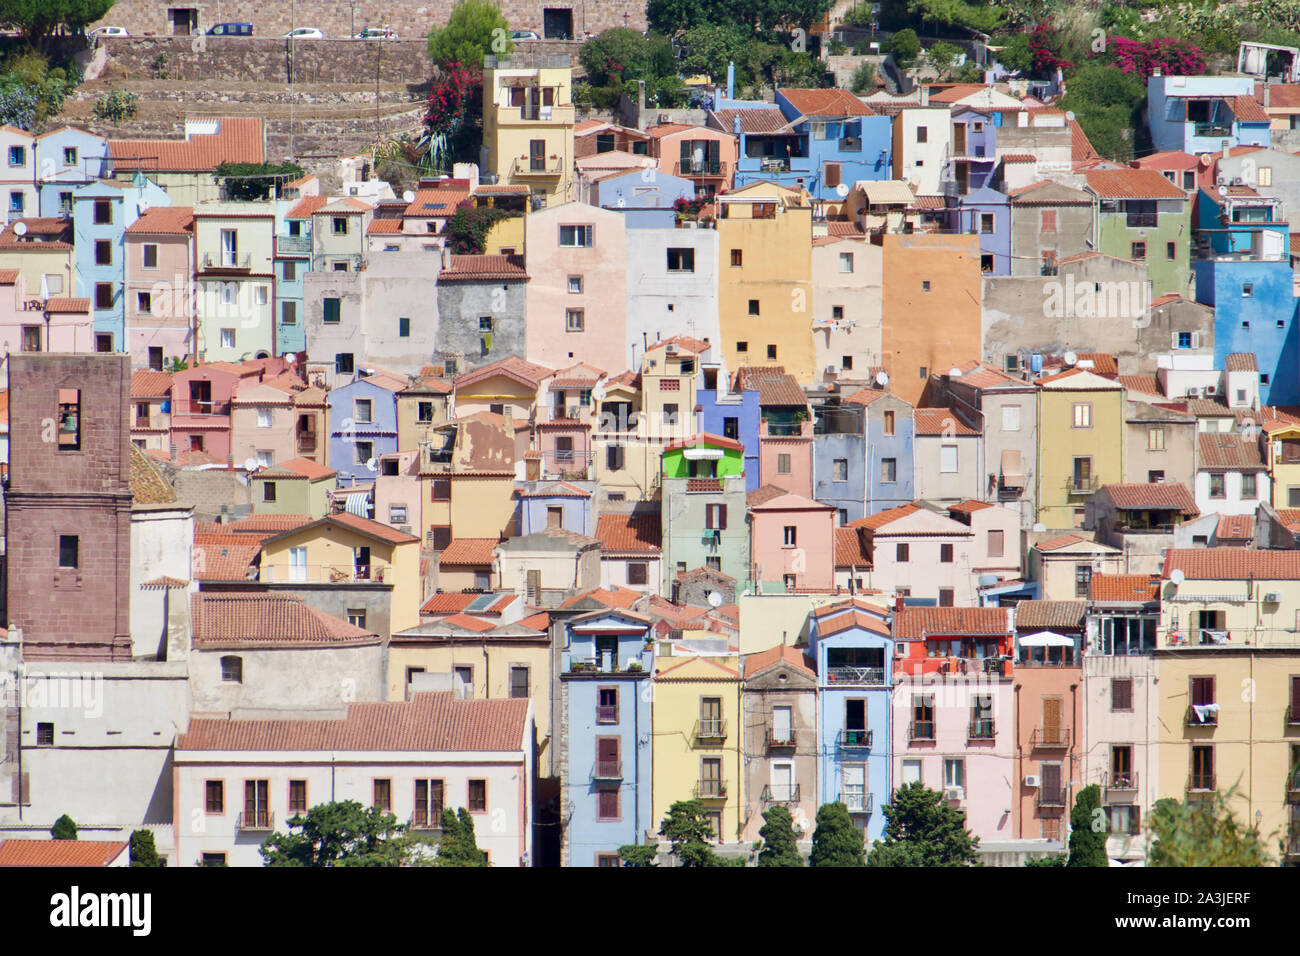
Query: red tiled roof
[[63, 306], [435, 203], [468, 622], [757, 119], [306, 207], [483, 268], [775, 386], [966, 507], [1056, 615], [914, 623], [1136, 588], [297, 468], [1160, 495], [1235, 528], [1129, 183], [940, 421], [1240, 362], [150, 384], [826, 102], [428, 722], [221, 561], [754, 664], [373, 528], [1229, 451], [555, 489], [235, 619], [163, 582], [451, 602], [958, 91], [616, 597], [8, 276], [60, 852], [468, 551], [866, 396], [1081, 150], [163, 221], [1284, 96], [1232, 564], [237, 140], [705, 438], [1147, 384], [267, 524], [837, 228], [1062, 542], [882, 518], [384, 227], [516, 368], [1103, 363], [1247, 109], [850, 549], [629, 535], [982, 375]]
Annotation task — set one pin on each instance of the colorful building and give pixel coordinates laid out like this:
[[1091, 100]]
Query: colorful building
[[1080, 443], [528, 124]]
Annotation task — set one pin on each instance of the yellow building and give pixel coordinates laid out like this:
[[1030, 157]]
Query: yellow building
[[528, 124], [345, 548], [1080, 443], [420, 409], [1282, 454], [506, 236], [697, 738], [632, 469], [765, 278], [339, 235]]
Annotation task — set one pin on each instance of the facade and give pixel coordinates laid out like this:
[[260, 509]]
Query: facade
[[1080, 443], [1143, 217], [1204, 114], [792, 539], [704, 507], [66, 159], [234, 256], [528, 125]]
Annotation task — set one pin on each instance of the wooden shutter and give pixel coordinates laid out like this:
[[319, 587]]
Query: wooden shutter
[[1202, 691], [607, 749], [1049, 221], [1295, 698], [1121, 695], [722, 517], [1051, 719], [832, 174], [1051, 773], [607, 804]]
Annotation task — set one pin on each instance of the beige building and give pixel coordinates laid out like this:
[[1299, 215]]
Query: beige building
[[528, 124], [846, 304], [1063, 566]]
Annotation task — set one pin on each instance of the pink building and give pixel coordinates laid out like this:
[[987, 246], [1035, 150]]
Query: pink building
[[263, 424], [397, 491], [151, 395], [564, 434], [29, 323], [202, 403], [705, 156], [995, 545], [791, 539], [160, 305], [785, 433], [919, 551]]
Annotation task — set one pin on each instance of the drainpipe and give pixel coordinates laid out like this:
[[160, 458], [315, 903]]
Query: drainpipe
[[636, 766], [1074, 731], [1020, 766]]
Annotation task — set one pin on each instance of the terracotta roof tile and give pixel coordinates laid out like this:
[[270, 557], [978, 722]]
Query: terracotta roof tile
[[65, 305], [427, 722], [775, 386], [915, 623], [850, 549], [223, 562], [297, 468], [940, 421], [1240, 362], [616, 597], [306, 207], [384, 227], [253, 619], [265, 524], [1235, 528], [1284, 96], [1131, 183], [1155, 496], [705, 438], [1232, 564], [1247, 109], [373, 528], [1062, 542], [150, 384], [60, 852], [483, 268], [524, 372], [468, 551], [237, 140], [826, 102], [882, 518], [754, 664], [148, 486], [755, 119], [629, 535], [1124, 588], [1228, 451], [1147, 384], [1056, 615], [468, 622]]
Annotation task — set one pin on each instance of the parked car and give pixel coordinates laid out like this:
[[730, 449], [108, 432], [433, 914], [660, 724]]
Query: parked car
[[98, 32], [304, 33], [524, 35], [376, 33], [231, 30]]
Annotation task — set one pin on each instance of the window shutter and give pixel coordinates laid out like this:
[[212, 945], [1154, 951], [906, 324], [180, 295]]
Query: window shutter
[[722, 517], [1173, 340], [1295, 698]]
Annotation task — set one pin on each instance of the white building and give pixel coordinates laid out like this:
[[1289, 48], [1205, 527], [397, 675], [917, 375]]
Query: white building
[[672, 287]]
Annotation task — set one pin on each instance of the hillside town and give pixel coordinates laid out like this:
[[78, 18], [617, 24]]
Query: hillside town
[[759, 456]]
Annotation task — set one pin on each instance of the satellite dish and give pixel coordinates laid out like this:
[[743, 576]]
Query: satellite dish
[[250, 464], [954, 372], [598, 393], [20, 229], [1206, 159], [1039, 527], [143, 205], [1177, 576], [409, 196], [1069, 358], [882, 379], [370, 465], [1223, 190], [714, 599], [842, 190], [1069, 116], [291, 359]]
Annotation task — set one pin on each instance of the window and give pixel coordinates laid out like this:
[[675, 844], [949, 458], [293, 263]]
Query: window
[[638, 573], [65, 204], [670, 413], [1048, 221], [103, 212], [1138, 251], [44, 735], [1171, 251], [575, 237], [574, 320], [1217, 489], [783, 464], [288, 313], [791, 536], [888, 470], [1248, 487], [156, 358], [1155, 438], [69, 551], [945, 554], [361, 411], [144, 303], [742, 347], [841, 469], [715, 517], [986, 223], [103, 252], [996, 544], [614, 457], [846, 361], [103, 295], [404, 328], [396, 513], [947, 459], [753, 307], [290, 270], [846, 262], [227, 338], [902, 552], [232, 669], [357, 617], [477, 796], [365, 451], [607, 803], [441, 489], [424, 412], [31, 338], [17, 155], [1011, 418], [1247, 292], [771, 352], [607, 705], [69, 156], [214, 792], [922, 134], [681, 260], [889, 424], [383, 795], [297, 796], [343, 363], [1082, 580], [1264, 176], [954, 773], [340, 225], [332, 307], [1202, 768], [214, 859], [737, 257], [1082, 414], [1121, 694], [518, 681], [925, 287]]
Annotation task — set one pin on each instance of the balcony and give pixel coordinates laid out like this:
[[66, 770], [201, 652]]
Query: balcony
[[858, 802], [428, 820], [1206, 716], [1141, 220], [1292, 717], [711, 790], [152, 423], [293, 244], [856, 739], [780, 793], [772, 165], [200, 407], [711, 730], [785, 741], [1051, 798], [323, 574], [256, 820], [1049, 739], [607, 771], [1080, 485], [1211, 636], [1120, 782], [607, 715], [705, 170], [982, 728], [606, 663], [920, 730], [1216, 130], [306, 443], [1201, 783], [855, 675], [548, 168], [1293, 786], [226, 262]]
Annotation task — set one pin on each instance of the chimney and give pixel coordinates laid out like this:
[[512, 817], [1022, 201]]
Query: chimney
[[898, 603], [1227, 150]]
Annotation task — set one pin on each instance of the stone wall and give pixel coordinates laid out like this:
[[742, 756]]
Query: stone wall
[[409, 18]]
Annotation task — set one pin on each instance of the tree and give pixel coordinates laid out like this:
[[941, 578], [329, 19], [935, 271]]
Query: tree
[[64, 828], [37, 19], [1203, 833], [1055, 860], [710, 48], [922, 830], [459, 847], [639, 854], [904, 47], [252, 182], [1171, 56], [1088, 828], [942, 58], [864, 78], [956, 13], [143, 850], [1014, 53], [836, 841], [343, 833], [779, 843], [475, 29], [467, 230], [619, 51], [689, 830], [1108, 106]]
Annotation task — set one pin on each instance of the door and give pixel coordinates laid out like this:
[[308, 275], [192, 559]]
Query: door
[[855, 721], [782, 781], [297, 564], [855, 787], [710, 716], [256, 801], [607, 756], [361, 563], [537, 155], [782, 725], [1051, 784], [229, 248], [959, 139], [1051, 720]]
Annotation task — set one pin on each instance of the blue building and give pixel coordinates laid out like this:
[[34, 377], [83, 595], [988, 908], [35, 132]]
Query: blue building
[[840, 459], [101, 213], [605, 724], [555, 504], [890, 440], [292, 261], [67, 158], [1244, 271], [814, 139], [1202, 114], [362, 426], [644, 196], [987, 213], [734, 414], [852, 644]]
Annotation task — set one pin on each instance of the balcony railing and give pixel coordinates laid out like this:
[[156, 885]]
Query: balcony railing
[[1292, 717], [710, 728], [225, 261], [191, 406], [256, 820], [786, 740], [1044, 738], [322, 573], [856, 739], [858, 802], [430, 819], [546, 167], [301, 244], [1212, 129], [1120, 782], [982, 728], [1293, 786], [1051, 798], [780, 793], [855, 675], [607, 715], [1141, 220], [606, 663], [608, 770], [711, 789], [920, 730], [689, 168], [1081, 486], [306, 443], [1204, 718], [1201, 783]]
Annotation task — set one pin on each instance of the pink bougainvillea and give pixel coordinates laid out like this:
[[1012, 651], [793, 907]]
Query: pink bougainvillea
[[1172, 56], [448, 98], [1044, 44]]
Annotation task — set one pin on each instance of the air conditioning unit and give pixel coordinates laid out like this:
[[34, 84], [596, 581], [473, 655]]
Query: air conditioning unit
[[1220, 180], [1273, 597], [953, 793], [1032, 780], [1211, 390], [1238, 181], [671, 348]]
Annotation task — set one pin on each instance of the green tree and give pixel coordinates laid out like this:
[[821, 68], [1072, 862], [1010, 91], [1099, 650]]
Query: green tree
[[143, 850], [709, 48], [37, 19], [942, 58], [799, 71], [459, 847], [1108, 105], [904, 47], [1014, 52], [956, 13], [689, 830], [864, 78], [639, 854], [343, 833], [1088, 828], [467, 230], [252, 182], [64, 828], [674, 16], [475, 29], [1055, 860], [1203, 832], [922, 830], [618, 52], [780, 846], [836, 841]]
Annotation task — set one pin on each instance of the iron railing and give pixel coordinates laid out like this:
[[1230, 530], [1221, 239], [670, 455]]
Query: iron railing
[[785, 741], [1051, 798], [982, 728], [710, 789], [1044, 738], [710, 728], [607, 770], [780, 793], [855, 675], [920, 730], [1201, 783], [858, 802], [856, 739], [1120, 781], [1193, 719], [255, 820], [426, 819]]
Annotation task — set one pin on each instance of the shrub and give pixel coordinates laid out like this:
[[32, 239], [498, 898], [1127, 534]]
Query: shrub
[[64, 828], [864, 79], [904, 47], [117, 106]]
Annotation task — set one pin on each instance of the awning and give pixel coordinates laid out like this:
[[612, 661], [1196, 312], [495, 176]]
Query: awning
[[698, 454], [1046, 639], [358, 504], [1012, 470]]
